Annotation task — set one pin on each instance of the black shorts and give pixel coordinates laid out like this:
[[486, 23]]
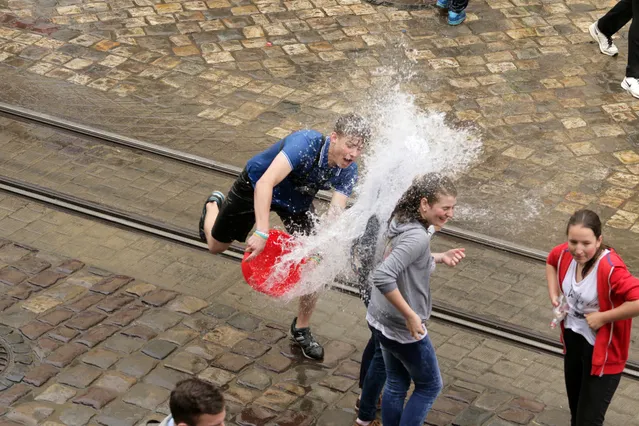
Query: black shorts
[[237, 214]]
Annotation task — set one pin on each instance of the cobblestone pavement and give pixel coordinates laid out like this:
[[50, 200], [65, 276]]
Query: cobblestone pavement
[[104, 342], [225, 78], [492, 284]]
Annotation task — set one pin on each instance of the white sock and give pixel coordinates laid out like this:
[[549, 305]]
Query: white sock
[[362, 422]]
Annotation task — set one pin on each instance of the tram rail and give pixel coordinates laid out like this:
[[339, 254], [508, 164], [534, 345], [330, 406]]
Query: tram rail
[[520, 336]]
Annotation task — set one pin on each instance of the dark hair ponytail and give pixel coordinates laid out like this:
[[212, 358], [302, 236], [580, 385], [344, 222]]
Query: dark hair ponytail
[[588, 219], [430, 186]]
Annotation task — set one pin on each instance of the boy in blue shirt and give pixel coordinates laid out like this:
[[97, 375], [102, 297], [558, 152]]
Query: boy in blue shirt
[[285, 179]]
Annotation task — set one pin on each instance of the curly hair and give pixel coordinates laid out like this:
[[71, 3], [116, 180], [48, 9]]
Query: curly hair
[[430, 186]]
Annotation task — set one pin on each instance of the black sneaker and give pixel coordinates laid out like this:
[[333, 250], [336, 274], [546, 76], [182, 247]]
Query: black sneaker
[[303, 337]]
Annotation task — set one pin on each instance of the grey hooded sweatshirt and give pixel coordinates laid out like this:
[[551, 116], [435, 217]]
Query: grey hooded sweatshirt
[[406, 266]]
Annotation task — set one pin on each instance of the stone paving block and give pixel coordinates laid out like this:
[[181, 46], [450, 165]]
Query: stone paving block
[[96, 397], [63, 356], [304, 375], [46, 278], [120, 413], [136, 365], [460, 394], [17, 373], [217, 376], [518, 416], [35, 329], [159, 349], [113, 303], [254, 416], [115, 381], [239, 395], [244, 322], [231, 362], [200, 323], [158, 297], [96, 335], [79, 376], [146, 396], [70, 266], [159, 320], [63, 334], [553, 417], [110, 285], [77, 415], [219, 311], [85, 302], [472, 416], [21, 291], [45, 346], [31, 265], [292, 418], [267, 335], [438, 418], [165, 377], [204, 350], [124, 316], [341, 384], [275, 400], [186, 362], [187, 304], [449, 406], [178, 335], [141, 332], [491, 400], [40, 375], [527, 404], [85, 320], [14, 393], [254, 378], [57, 394], [11, 276], [30, 413], [123, 344], [140, 289], [225, 336], [348, 369], [274, 361], [250, 348]]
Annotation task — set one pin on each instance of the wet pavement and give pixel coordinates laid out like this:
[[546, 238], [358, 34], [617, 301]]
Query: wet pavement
[[224, 79], [488, 283], [104, 342]]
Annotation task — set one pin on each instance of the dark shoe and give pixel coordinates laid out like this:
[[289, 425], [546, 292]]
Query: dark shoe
[[303, 337], [216, 197]]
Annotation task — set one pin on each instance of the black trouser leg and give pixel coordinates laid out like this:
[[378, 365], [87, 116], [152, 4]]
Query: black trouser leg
[[616, 18], [632, 70], [588, 396]]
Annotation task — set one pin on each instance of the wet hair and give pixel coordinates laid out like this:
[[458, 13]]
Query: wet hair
[[588, 219], [430, 186], [192, 398], [353, 125]]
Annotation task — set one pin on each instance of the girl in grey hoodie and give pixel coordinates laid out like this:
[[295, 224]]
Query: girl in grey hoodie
[[400, 301]]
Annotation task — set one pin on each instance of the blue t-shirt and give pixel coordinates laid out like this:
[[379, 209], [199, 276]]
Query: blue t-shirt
[[307, 152]]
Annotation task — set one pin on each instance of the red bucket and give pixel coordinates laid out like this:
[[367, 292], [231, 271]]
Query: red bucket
[[258, 270]]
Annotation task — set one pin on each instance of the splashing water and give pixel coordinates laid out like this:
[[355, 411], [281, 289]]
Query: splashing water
[[406, 143]]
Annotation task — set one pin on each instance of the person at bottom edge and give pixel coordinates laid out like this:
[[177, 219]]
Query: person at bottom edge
[[285, 179], [401, 301], [602, 298], [194, 402]]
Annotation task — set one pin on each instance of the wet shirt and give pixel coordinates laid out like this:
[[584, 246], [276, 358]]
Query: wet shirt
[[307, 153], [582, 299]]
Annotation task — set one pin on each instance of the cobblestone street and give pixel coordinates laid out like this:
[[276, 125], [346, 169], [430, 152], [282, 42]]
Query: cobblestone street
[[102, 341], [98, 323], [224, 79]]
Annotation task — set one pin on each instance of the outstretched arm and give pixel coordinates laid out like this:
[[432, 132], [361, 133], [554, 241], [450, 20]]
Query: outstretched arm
[[276, 172]]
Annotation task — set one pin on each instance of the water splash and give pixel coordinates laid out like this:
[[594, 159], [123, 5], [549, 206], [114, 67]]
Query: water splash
[[407, 142]]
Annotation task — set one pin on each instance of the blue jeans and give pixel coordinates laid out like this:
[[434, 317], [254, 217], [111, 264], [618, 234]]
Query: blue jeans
[[372, 378], [406, 362]]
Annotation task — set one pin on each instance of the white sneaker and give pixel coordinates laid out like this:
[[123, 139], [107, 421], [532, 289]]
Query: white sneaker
[[631, 85], [606, 45]]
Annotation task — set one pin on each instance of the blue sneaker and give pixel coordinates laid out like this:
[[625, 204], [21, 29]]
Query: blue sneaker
[[442, 4], [456, 18]]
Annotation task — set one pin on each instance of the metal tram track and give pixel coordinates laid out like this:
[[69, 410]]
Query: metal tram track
[[511, 333]]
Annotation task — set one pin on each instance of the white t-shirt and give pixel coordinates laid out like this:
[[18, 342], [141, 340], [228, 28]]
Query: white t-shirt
[[582, 298]]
